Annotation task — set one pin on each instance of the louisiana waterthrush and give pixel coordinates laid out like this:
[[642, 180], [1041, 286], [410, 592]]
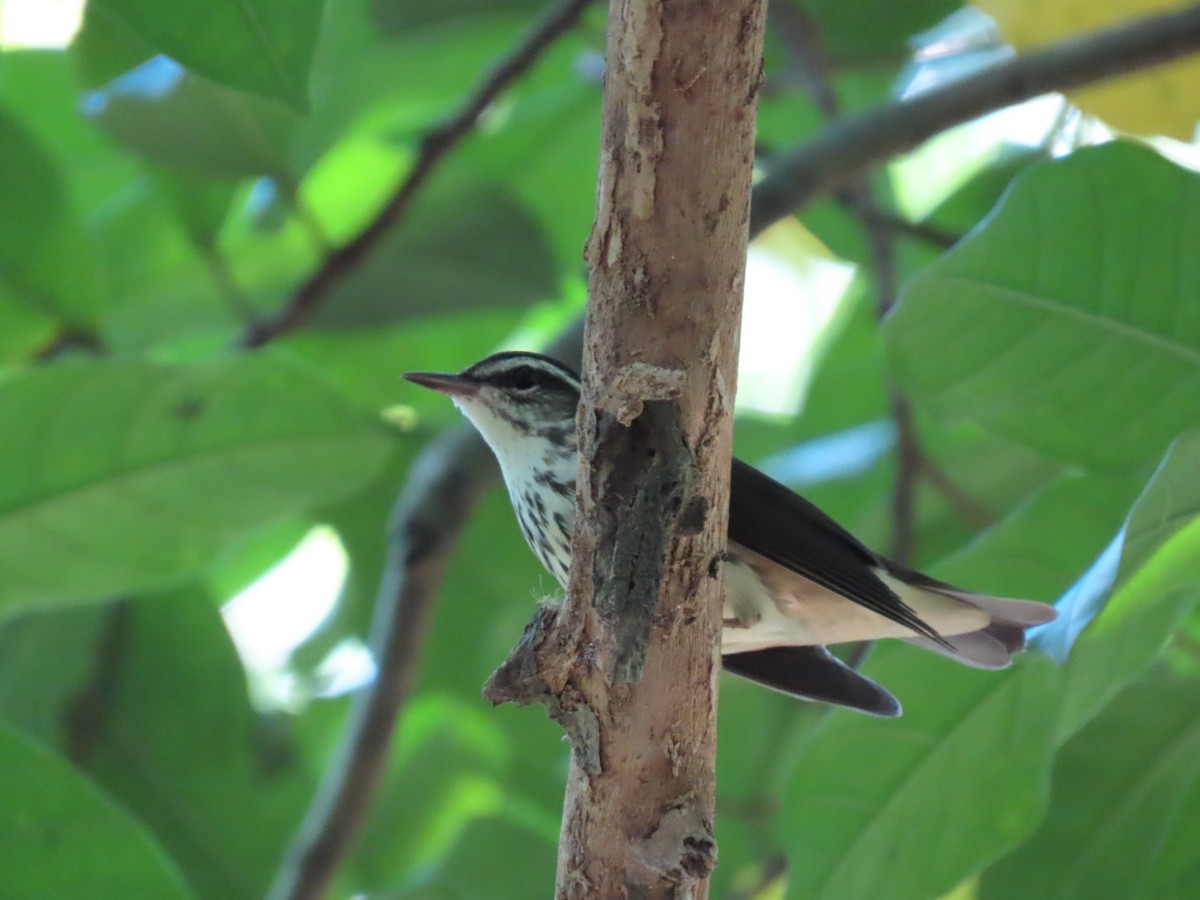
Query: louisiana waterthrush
[[795, 580]]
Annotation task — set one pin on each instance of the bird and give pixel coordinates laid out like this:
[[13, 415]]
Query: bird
[[796, 582]]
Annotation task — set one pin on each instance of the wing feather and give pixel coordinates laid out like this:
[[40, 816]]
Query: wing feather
[[813, 673], [775, 522]]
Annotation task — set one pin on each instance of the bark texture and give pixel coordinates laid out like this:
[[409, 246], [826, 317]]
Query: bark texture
[[629, 665]]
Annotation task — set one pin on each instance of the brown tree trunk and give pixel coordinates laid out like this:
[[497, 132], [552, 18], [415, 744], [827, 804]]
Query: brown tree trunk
[[628, 665], [667, 258]]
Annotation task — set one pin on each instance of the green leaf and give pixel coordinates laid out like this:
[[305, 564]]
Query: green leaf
[[364, 364], [122, 475], [962, 210], [470, 248], [42, 699], [1069, 321], [61, 837], [1153, 563], [1043, 546], [23, 330], [105, 47], [179, 745], [1176, 867], [545, 154], [40, 240], [483, 863], [867, 29], [445, 773], [265, 46], [403, 15], [200, 204], [1116, 794], [41, 88], [907, 808], [183, 121], [393, 87]]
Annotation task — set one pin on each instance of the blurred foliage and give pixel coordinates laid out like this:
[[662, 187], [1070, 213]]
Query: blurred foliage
[[181, 167]]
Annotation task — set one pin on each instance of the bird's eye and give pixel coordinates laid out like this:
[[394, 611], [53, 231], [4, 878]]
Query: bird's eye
[[524, 378]]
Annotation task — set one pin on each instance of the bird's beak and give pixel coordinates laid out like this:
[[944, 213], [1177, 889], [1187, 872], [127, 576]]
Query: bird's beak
[[451, 385]]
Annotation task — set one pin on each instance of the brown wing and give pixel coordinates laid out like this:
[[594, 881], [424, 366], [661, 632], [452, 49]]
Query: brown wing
[[766, 517]]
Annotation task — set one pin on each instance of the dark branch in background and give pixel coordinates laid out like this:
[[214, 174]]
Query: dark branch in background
[[968, 508], [843, 151], [920, 231], [800, 33], [71, 339], [433, 148], [444, 484], [904, 490], [453, 471]]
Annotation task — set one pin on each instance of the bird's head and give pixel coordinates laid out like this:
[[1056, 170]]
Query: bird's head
[[522, 403]]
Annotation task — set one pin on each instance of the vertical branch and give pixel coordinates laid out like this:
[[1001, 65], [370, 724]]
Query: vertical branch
[[667, 258]]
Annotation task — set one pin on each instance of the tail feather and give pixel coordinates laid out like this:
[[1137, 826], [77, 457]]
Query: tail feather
[[1005, 610], [992, 646], [979, 649]]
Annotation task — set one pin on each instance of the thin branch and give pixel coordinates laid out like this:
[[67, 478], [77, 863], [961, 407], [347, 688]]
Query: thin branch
[[904, 490], [921, 231], [968, 508], [70, 339], [433, 149], [843, 151]]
